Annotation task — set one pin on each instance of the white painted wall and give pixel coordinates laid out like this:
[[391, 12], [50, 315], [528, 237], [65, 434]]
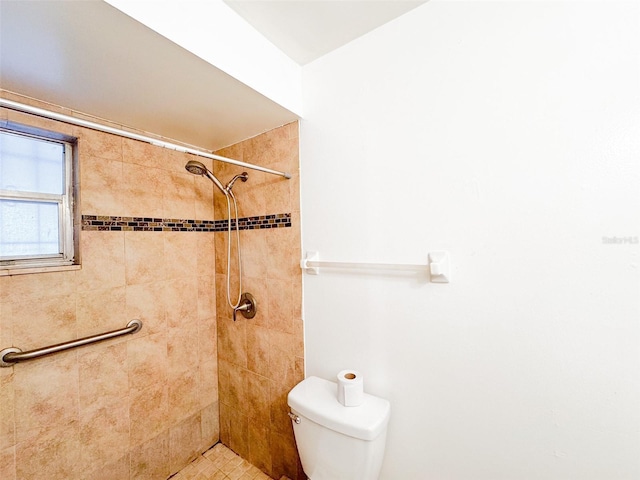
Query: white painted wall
[[214, 32], [507, 133]]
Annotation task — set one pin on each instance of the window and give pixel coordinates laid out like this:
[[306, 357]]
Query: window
[[36, 198]]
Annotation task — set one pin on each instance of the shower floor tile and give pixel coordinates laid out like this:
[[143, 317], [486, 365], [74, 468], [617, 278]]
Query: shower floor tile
[[220, 463]]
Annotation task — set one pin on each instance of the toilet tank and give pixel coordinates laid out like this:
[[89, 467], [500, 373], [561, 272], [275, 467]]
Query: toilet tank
[[337, 442]]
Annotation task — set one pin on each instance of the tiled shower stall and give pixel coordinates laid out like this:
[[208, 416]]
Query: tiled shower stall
[[144, 405]]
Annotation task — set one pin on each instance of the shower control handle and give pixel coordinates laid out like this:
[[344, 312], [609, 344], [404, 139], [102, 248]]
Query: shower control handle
[[247, 306]]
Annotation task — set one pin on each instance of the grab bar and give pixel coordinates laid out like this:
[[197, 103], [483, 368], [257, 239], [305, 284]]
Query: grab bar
[[10, 356]]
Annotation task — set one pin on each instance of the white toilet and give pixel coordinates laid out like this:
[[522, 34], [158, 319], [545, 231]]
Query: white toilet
[[337, 442]]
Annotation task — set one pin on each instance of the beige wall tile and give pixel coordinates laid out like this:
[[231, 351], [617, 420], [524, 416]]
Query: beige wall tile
[[220, 206], [271, 148], [181, 302], [293, 130], [116, 470], [208, 381], [7, 416], [31, 287], [206, 296], [205, 253], [142, 190], [260, 446], [298, 336], [183, 355], [280, 421], [283, 455], [232, 151], [278, 197], [180, 254], [208, 356], [257, 401], [147, 361], [103, 376], [258, 347], [46, 395], [207, 339], [232, 384], [6, 331], [296, 299], [144, 257], [299, 368], [184, 442], [226, 412], [8, 463], [104, 435], [204, 206], [98, 145], [184, 399], [210, 418], [280, 308], [100, 311], [53, 455], [148, 413], [150, 460], [145, 301], [282, 357], [144, 154], [179, 195], [103, 260], [294, 192], [252, 201], [232, 341], [50, 320], [282, 246], [100, 186], [254, 253], [239, 434]]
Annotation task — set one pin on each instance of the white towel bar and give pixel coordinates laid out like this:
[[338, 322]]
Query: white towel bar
[[437, 268]]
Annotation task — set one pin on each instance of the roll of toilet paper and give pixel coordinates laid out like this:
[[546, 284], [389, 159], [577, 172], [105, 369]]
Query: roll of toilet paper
[[350, 388]]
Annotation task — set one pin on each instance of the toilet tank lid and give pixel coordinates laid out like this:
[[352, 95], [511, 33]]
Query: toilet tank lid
[[317, 400]]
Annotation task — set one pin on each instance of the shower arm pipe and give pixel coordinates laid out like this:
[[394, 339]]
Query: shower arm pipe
[[21, 107]]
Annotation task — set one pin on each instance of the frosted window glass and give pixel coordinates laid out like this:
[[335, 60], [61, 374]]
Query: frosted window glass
[[28, 228], [31, 164]]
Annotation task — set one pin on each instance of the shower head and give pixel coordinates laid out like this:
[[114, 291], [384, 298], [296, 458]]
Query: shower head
[[198, 168], [244, 176]]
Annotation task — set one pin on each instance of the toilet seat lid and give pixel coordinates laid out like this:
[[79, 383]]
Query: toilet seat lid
[[316, 399]]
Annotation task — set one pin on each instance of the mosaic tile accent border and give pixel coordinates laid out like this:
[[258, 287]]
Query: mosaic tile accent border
[[148, 224]]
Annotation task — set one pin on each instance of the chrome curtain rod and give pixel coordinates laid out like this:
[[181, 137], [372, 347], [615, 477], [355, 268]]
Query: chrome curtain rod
[[21, 107], [12, 355]]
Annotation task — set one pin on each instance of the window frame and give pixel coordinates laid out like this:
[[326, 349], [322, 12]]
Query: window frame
[[66, 203]]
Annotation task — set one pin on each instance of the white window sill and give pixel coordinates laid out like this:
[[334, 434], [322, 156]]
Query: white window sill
[[7, 272]]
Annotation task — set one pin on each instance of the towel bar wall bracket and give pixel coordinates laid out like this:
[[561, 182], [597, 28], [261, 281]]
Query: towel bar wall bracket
[[12, 355]]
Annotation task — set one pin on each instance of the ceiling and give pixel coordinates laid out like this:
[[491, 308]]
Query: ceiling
[[90, 57], [307, 29]]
